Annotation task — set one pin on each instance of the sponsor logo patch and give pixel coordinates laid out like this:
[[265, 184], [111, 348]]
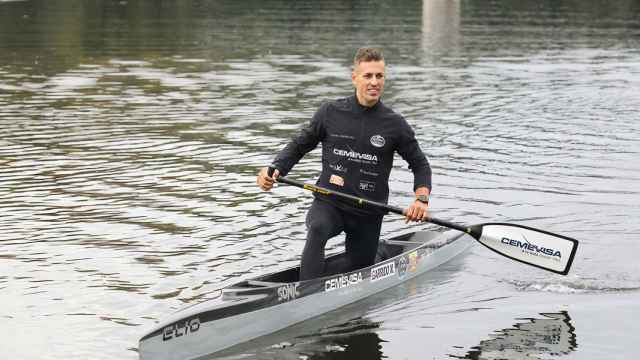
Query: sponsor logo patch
[[338, 168], [383, 271], [532, 249], [377, 141], [342, 281], [367, 185], [288, 292], [356, 156], [181, 328], [343, 136], [403, 263], [369, 173], [414, 259], [336, 180]]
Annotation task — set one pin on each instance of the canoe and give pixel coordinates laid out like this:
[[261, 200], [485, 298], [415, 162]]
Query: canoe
[[268, 303]]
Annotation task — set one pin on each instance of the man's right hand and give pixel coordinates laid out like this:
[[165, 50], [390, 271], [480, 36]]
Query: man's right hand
[[265, 182]]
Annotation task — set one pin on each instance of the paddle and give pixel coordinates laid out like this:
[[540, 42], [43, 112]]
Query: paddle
[[534, 247]]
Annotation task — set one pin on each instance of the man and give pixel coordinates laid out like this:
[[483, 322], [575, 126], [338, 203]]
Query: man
[[359, 136]]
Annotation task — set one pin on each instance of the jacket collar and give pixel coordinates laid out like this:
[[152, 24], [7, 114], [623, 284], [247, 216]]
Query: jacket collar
[[357, 107]]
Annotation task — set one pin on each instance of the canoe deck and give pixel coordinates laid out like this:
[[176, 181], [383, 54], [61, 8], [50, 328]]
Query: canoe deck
[[387, 249]]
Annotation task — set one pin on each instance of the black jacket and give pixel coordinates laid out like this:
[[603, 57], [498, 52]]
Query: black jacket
[[358, 145]]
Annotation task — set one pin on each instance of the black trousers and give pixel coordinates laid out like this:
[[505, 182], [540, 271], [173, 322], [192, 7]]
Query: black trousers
[[325, 221]]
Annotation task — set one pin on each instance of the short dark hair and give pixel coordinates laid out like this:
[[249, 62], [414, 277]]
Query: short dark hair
[[366, 54]]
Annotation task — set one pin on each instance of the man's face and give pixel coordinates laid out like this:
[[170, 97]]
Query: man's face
[[368, 79]]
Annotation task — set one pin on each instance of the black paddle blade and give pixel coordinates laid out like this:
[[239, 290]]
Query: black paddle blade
[[534, 247]]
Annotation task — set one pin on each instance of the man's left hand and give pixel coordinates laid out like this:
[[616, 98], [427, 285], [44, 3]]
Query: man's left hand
[[417, 211]]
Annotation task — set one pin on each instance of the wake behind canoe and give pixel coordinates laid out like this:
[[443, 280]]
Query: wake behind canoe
[[262, 305]]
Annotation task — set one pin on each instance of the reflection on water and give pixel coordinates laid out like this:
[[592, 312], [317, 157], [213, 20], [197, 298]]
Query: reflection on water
[[533, 338], [342, 334], [355, 339], [549, 336], [440, 27], [552, 335]]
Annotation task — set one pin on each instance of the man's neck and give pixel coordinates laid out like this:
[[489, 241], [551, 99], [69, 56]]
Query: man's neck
[[362, 102]]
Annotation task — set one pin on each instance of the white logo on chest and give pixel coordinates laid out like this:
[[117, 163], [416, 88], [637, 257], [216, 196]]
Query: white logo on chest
[[377, 141]]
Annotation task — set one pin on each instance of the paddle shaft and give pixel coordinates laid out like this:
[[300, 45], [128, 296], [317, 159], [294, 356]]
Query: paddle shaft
[[535, 249], [365, 202]]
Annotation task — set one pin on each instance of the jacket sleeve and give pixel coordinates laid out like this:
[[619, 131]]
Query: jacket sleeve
[[410, 151], [305, 141]]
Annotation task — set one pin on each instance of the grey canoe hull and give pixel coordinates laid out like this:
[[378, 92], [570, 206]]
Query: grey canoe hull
[[261, 306]]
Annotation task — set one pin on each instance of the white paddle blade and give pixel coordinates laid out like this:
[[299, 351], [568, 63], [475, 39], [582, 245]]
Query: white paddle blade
[[531, 246]]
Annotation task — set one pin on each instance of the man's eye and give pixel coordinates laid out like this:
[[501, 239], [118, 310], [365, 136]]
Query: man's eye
[[368, 76], [379, 76]]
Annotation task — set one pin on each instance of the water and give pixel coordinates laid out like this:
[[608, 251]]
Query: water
[[131, 133]]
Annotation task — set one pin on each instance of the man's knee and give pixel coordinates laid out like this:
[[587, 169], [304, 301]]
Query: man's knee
[[318, 231]]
